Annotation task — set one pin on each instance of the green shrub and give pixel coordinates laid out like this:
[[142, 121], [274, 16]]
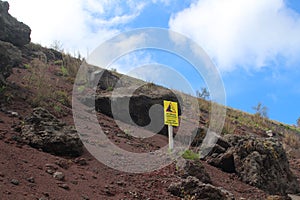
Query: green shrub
[[27, 66], [190, 155], [110, 88], [64, 71], [2, 89], [62, 97]]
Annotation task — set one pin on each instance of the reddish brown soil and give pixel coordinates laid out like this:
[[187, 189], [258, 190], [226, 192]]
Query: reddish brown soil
[[92, 180]]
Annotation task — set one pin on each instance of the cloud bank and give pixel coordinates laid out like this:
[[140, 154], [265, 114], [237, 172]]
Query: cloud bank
[[247, 33], [80, 25]]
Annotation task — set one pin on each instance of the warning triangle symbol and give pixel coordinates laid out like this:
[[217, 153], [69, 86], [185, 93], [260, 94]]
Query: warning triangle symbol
[[171, 109]]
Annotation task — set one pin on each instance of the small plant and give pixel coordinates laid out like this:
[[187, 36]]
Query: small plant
[[204, 94], [260, 110], [62, 97], [149, 85], [58, 62], [27, 66], [64, 71], [110, 88], [71, 65], [6, 96], [113, 69], [2, 89], [298, 122], [81, 88], [229, 128], [57, 109], [57, 45], [127, 132], [190, 155]]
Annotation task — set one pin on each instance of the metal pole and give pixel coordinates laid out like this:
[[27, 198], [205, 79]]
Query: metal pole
[[171, 141]]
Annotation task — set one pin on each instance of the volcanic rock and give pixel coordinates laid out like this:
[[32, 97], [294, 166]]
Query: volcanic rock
[[11, 30], [44, 131], [260, 162]]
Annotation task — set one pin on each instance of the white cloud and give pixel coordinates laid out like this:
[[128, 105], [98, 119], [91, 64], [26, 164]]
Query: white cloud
[[248, 33], [165, 2], [78, 24], [129, 62], [113, 49]]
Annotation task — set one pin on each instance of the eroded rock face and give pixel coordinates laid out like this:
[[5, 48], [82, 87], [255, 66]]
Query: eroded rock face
[[132, 105], [13, 34], [195, 189], [260, 162], [10, 56], [44, 131], [11, 30]]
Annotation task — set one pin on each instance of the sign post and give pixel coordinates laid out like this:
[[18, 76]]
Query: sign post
[[171, 119], [171, 141]]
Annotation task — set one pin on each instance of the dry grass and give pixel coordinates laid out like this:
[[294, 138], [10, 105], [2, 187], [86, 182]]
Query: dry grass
[[71, 65], [292, 140], [229, 127], [39, 82]]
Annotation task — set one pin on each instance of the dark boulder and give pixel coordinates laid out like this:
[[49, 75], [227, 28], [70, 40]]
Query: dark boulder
[[11, 30], [224, 161], [143, 106], [44, 131], [108, 80], [13, 34], [195, 168], [260, 162]]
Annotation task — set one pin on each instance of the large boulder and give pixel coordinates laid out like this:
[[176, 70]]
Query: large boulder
[[11, 30], [140, 104], [139, 109], [44, 131], [260, 162], [192, 188]]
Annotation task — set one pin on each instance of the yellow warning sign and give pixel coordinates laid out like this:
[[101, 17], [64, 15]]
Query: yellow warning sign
[[171, 113]]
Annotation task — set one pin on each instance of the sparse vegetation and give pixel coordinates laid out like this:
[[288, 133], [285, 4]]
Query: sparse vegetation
[[57, 45], [113, 69], [127, 132], [62, 97], [71, 65], [57, 108], [261, 110], [203, 94], [110, 88], [190, 155], [292, 140], [64, 71], [27, 66], [2, 89], [229, 127], [298, 122], [38, 80], [81, 88]]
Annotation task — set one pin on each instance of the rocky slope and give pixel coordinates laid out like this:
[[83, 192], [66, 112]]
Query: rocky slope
[[41, 156]]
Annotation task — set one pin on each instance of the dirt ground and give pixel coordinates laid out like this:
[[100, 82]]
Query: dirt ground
[[25, 172]]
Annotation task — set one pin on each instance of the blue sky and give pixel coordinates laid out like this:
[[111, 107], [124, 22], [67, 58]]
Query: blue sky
[[255, 44]]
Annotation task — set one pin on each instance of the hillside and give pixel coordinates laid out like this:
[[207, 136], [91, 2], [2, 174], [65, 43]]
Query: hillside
[[43, 157]]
